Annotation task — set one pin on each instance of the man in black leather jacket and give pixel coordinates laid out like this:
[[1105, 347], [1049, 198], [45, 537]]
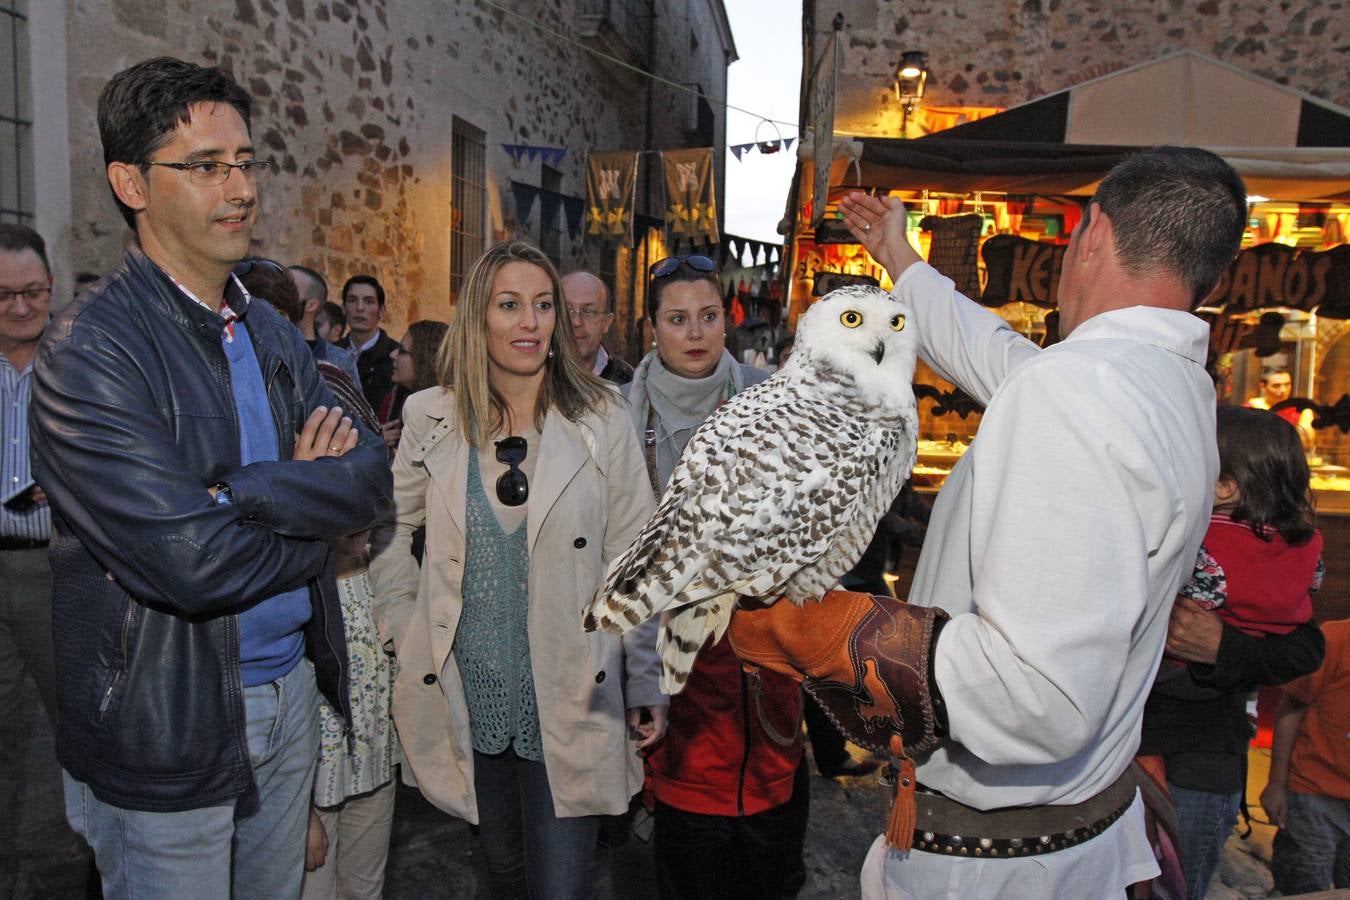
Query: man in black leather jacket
[[197, 467]]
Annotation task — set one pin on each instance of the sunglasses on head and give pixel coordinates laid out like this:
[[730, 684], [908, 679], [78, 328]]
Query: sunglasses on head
[[671, 264], [513, 488]]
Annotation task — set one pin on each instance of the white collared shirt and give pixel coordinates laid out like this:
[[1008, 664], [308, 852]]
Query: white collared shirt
[[375, 339], [1057, 545], [16, 471], [226, 312], [601, 360]]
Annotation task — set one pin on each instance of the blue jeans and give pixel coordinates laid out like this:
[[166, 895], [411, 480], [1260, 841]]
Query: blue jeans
[[1312, 851], [1205, 820], [207, 852], [530, 852]]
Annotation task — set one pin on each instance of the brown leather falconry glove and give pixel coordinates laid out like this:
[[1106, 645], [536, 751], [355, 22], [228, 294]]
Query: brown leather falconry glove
[[868, 662]]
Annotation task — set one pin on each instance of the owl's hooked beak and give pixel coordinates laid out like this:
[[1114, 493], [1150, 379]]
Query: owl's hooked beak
[[878, 352]]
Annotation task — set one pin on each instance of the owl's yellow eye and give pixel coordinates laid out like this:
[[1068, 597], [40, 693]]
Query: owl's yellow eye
[[897, 323], [851, 318]]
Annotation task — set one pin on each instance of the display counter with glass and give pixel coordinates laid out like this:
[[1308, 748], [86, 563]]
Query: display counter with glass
[[934, 464], [1330, 483], [1331, 488]]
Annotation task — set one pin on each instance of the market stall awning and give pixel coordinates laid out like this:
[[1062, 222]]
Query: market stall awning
[[1285, 144]]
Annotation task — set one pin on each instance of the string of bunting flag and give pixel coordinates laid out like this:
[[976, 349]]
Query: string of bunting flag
[[761, 253], [552, 155], [763, 142], [765, 147], [574, 208]]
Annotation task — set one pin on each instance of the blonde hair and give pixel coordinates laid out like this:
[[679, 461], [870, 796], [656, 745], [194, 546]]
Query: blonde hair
[[462, 362]]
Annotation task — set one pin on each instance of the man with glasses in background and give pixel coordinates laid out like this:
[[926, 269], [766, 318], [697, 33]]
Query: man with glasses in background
[[588, 307], [198, 467], [25, 526]]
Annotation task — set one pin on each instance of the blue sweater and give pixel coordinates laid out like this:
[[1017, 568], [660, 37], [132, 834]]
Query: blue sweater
[[270, 638]]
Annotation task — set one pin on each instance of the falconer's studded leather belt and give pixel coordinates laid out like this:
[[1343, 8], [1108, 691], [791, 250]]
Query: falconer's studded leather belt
[[951, 828]]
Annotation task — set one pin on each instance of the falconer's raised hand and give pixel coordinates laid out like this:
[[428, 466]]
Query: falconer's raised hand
[[879, 224]]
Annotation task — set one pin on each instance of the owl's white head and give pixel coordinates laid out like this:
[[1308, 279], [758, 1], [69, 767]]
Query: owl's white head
[[867, 336]]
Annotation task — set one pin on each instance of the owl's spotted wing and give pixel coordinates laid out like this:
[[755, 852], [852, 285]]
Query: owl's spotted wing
[[763, 489]]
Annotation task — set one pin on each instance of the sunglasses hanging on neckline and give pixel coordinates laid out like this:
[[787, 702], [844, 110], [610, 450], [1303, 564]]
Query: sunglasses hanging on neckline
[[513, 487]]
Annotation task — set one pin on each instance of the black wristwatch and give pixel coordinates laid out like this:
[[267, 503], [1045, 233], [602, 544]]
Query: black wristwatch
[[224, 496]]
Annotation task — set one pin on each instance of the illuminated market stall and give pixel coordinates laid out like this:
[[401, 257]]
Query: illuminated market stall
[[992, 204]]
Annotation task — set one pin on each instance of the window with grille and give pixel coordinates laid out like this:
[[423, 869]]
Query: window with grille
[[468, 200], [550, 215], [16, 117]]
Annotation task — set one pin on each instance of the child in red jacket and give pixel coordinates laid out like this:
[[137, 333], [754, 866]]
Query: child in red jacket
[[1258, 567], [1261, 560]]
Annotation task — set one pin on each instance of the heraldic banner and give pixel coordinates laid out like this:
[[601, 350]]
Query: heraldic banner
[[611, 193], [691, 204]]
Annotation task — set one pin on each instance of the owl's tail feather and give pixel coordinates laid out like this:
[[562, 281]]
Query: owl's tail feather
[[611, 613], [686, 632]]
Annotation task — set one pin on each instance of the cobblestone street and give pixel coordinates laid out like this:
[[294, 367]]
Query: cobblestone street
[[435, 856]]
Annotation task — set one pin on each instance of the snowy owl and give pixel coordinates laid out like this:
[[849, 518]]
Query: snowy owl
[[781, 489]]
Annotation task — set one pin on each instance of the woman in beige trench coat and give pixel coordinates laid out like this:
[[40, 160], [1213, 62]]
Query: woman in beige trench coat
[[510, 715]]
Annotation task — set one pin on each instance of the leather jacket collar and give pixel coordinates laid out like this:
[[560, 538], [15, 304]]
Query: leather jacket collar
[[171, 301]]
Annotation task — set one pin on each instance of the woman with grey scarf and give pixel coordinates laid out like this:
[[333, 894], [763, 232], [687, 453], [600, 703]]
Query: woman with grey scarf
[[724, 783]]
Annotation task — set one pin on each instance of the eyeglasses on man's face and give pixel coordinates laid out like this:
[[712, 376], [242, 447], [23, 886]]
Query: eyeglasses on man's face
[[32, 295], [585, 314], [513, 488], [213, 173], [671, 264]]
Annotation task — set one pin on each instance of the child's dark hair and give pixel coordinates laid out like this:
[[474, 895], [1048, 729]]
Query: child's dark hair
[[1262, 454], [271, 281]]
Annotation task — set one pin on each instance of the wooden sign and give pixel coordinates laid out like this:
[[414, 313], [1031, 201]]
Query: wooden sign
[[1263, 276], [1278, 275], [833, 231], [829, 281], [955, 249], [1229, 331], [1021, 271]]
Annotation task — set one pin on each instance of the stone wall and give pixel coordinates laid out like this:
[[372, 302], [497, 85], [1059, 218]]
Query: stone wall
[[355, 101], [1006, 52]]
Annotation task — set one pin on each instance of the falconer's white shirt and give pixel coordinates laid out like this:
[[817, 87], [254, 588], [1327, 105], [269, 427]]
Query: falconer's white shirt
[[1057, 545]]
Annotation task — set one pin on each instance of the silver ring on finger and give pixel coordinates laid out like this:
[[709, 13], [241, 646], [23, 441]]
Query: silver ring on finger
[[867, 227]]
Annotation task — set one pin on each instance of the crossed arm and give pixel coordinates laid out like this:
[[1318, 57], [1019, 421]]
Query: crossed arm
[[109, 461]]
